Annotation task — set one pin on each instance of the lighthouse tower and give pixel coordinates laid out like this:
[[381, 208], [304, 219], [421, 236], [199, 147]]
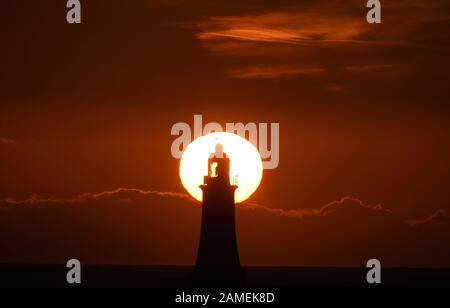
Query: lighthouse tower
[[218, 257]]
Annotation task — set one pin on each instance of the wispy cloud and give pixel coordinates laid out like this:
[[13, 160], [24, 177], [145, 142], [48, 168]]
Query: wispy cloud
[[325, 21], [334, 88], [331, 34], [270, 72], [368, 68], [297, 28], [6, 141]]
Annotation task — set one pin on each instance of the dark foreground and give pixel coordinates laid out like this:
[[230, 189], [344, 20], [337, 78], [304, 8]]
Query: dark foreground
[[255, 277]]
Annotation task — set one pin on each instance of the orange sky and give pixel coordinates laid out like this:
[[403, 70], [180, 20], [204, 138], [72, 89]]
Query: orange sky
[[363, 112]]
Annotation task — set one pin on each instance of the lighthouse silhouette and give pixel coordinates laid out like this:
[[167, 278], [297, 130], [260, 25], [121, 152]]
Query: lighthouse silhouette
[[218, 257]]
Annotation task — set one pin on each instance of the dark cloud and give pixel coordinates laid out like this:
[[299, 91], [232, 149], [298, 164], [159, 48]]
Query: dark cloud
[[152, 227], [121, 226], [327, 209], [105, 195], [440, 217]]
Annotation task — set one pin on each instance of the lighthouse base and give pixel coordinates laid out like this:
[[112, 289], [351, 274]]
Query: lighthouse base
[[218, 277]]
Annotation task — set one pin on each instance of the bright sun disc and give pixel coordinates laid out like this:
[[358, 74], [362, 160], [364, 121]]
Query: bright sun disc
[[245, 164]]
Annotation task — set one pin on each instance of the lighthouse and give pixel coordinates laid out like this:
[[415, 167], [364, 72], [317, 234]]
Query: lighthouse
[[218, 257]]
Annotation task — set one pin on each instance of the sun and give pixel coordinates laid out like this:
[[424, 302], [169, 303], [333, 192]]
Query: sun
[[245, 164]]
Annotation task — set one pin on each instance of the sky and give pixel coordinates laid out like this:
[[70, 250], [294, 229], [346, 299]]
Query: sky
[[86, 112]]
